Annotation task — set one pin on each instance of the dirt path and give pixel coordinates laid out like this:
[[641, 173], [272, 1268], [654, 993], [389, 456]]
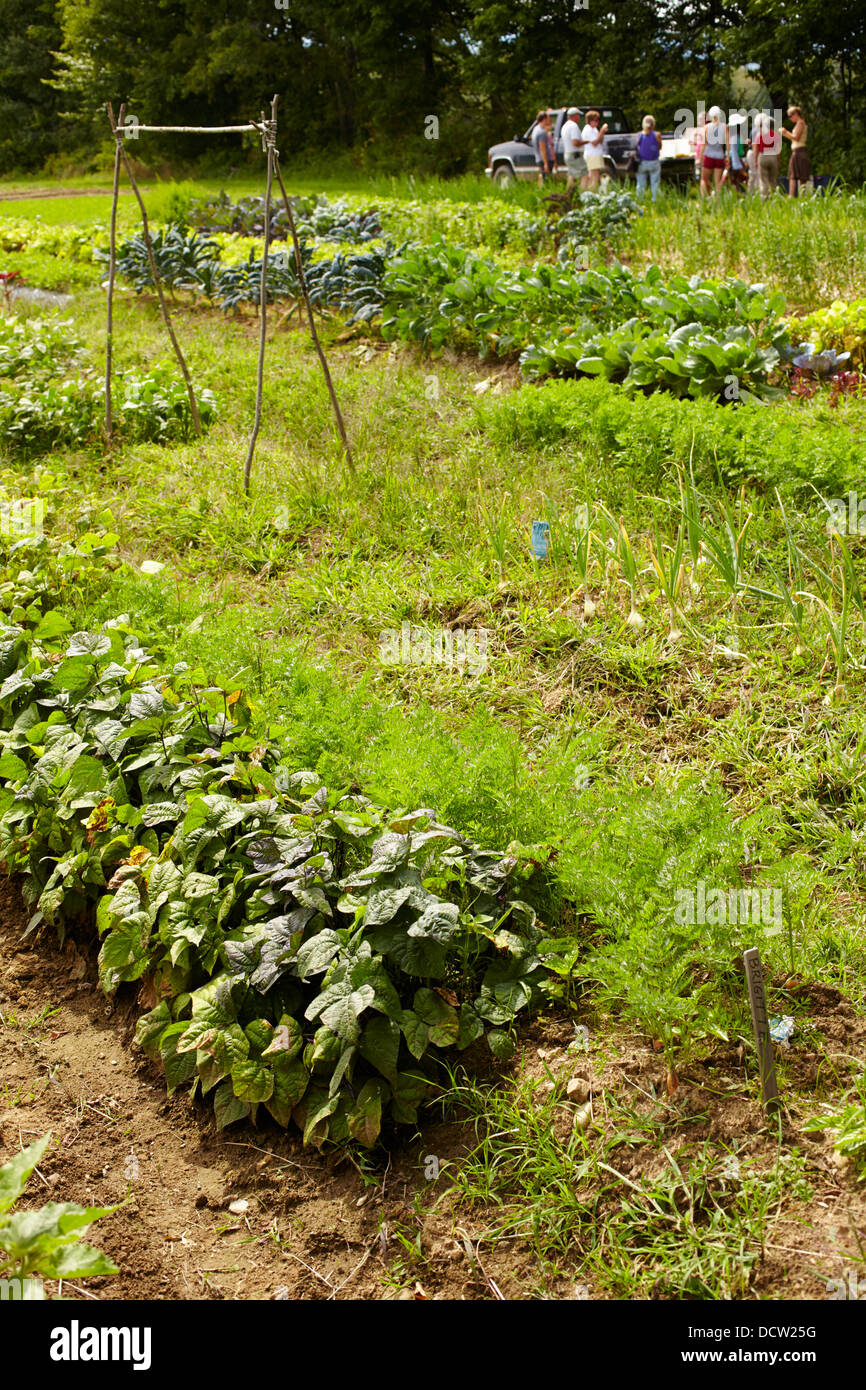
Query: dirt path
[[26, 194], [311, 1228]]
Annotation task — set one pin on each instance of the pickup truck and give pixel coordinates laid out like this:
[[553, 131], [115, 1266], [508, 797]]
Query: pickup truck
[[515, 159]]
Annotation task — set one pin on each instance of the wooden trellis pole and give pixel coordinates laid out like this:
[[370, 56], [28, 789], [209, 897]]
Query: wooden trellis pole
[[269, 135], [193, 404], [112, 263], [302, 280], [268, 131]]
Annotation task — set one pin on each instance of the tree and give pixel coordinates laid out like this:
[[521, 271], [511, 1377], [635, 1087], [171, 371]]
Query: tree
[[28, 109]]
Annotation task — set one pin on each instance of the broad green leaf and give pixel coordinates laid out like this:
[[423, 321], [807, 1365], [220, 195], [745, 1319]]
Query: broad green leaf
[[415, 1031], [227, 1107], [365, 1121], [77, 1262], [14, 1174], [52, 625], [408, 1093], [287, 1040], [442, 1020], [253, 1080], [158, 812], [380, 1046], [316, 954], [471, 1026], [93, 644], [259, 1032], [291, 1080], [313, 1112], [341, 1069], [12, 768], [500, 1044], [179, 1066], [150, 1027]]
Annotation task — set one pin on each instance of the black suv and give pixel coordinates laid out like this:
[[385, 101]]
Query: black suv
[[515, 159]]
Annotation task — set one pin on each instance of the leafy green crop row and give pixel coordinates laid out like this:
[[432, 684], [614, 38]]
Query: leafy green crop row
[[689, 335], [311, 953], [46, 407]]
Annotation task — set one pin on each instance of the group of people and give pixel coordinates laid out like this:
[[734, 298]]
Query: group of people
[[583, 149], [723, 152]]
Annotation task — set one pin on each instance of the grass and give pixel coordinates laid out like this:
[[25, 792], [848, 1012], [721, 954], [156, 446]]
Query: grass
[[696, 1229], [814, 249], [717, 738]]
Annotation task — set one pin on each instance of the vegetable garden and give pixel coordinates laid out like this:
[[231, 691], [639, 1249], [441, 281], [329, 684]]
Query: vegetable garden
[[364, 907]]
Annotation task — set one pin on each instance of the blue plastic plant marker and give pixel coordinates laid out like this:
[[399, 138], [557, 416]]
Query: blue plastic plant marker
[[540, 539], [781, 1029]]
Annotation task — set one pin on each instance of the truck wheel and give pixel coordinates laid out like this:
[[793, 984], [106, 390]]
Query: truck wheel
[[503, 176]]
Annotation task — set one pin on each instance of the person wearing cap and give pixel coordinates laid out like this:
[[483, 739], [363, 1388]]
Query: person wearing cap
[[572, 149], [737, 175]]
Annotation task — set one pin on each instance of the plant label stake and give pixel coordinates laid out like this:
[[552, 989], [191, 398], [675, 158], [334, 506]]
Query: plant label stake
[[540, 539], [758, 1004]]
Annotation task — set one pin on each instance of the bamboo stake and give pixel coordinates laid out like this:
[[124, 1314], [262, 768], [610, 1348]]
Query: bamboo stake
[[314, 335], [156, 280], [112, 261], [268, 137], [201, 129]]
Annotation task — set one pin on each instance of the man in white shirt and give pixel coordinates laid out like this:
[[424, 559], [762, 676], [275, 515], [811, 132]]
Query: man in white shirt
[[572, 150], [593, 140]]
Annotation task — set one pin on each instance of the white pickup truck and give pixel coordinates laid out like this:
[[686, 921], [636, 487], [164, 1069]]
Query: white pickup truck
[[515, 159]]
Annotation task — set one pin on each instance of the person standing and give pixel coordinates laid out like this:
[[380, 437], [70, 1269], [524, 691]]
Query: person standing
[[752, 166], [799, 165], [542, 143], [715, 160], [572, 150], [736, 153], [696, 138], [649, 148], [767, 145], [593, 141]]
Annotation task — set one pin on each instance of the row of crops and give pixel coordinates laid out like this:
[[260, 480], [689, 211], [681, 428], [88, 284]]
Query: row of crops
[[440, 275]]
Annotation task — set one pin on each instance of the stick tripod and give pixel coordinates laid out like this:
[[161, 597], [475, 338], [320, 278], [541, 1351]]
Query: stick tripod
[[267, 128]]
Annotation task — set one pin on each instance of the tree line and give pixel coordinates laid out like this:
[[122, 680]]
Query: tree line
[[359, 80]]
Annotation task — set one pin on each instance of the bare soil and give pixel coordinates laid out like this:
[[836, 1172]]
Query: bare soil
[[316, 1227], [312, 1228]]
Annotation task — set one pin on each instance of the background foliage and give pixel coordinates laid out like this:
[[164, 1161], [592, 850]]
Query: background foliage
[[359, 80]]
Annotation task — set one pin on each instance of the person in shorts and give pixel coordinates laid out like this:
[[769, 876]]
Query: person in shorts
[[799, 165], [738, 173], [572, 150], [542, 143], [649, 149], [593, 151], [766, 143], [715, 158]]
